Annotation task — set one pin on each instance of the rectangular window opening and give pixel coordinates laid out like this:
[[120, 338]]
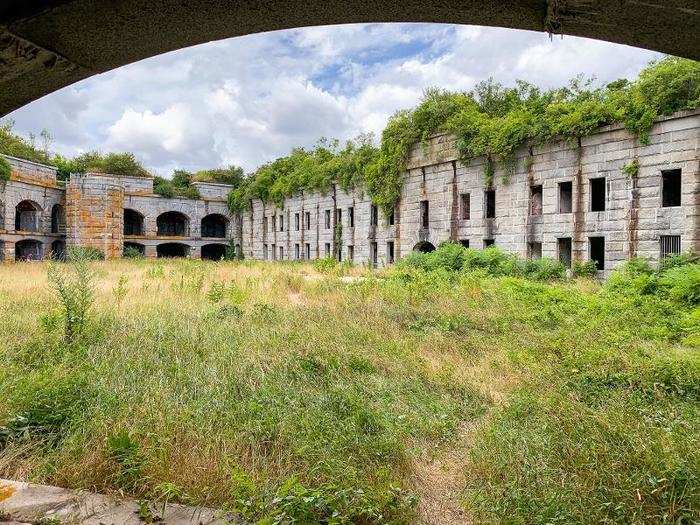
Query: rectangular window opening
[[597, 187], [670, 188], [536, 200], [373, 253], [327, 249], [489, 242], [351, 217], [670, 244], [565, 197], [390, 252], [465, 206], [351, 252], [534, 250], [296, 252], [328, 219], [373, 213], [308, 251], [297, 222], [281, 223], [424, 214], [490, 204], [596, 250], [308, 220], [281, 253], [464, 242], [564, 251], [390, 218]]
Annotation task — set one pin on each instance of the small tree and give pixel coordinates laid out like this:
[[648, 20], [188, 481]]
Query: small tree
[[5, 170], [73, 284]]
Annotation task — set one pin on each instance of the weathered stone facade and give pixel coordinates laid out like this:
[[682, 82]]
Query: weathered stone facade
[[572, 200]]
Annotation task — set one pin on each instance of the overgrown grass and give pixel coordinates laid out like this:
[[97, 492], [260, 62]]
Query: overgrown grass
[[287, 392]]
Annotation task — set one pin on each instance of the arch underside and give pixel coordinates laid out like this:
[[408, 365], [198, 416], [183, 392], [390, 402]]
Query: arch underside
[[46, 45]]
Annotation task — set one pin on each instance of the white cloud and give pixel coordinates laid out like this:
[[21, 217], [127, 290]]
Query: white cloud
[[248, 100]]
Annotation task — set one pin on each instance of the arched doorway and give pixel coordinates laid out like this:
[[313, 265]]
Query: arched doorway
[[424, 247], [133, 249], [58, 250], [133, 222], [214, 225], [173, 224], [172, 249], [58, 218], [27, 214], [29, 250], [213, 252]]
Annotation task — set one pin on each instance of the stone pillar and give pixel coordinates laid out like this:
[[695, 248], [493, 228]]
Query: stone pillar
[[195, 252], [8, 251], [95, 214], [151, 252]]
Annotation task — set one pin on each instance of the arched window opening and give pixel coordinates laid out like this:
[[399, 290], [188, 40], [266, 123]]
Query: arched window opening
[[29, 250], [173, 224], [58, 250], [27, 215], [214, 226], [213, 252], [58, 219], [172, 249], [133, 222], [423, 247]]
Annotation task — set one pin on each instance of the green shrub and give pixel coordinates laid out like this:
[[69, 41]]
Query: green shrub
[[74, 288], [681, 283], [124, 451], [5, 170], [584, 269], [544, 269], [85, 253], [325, 264], [132, 253]]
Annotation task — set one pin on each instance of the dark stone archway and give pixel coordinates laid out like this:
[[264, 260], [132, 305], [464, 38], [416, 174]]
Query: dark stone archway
[[173, 224], [214, 225], [424, 247], [213, 252], [58, 250], [133, 222], [27, 216], [29, 250], [132, 248], [49, 44], [172, 249], [58, 219]]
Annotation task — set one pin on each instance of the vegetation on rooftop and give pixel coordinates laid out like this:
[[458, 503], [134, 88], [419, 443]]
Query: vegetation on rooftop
[[492, 121]]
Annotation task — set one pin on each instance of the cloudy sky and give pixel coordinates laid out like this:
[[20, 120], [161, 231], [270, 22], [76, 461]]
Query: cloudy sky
[[250, 99]]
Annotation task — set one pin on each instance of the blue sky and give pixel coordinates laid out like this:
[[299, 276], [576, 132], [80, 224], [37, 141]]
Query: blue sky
[[250, 99]]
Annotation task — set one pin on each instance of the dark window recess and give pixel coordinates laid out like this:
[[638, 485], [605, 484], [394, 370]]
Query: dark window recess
[[490, 203], [390, 218], [351, 217], [564, 251], [565, 197], [489, 242], [214, 225], [597, 187], [273, 251], [339, 252], [308, 251], [670, 244], [597, 251], [339, 215], [297, 222], [328, 219], [133, 222], [422, 172], [464, 242], [264, 224], [373, 253], [281, 223], [424, 214], [373, 213], [264, 251], [274, 222], [328, 249], [172, 224], [308, 220], [351, 252], [281, 252], [296, 251], [390, 252], [465, 206], [670, 188], [536, 200], [534, 250]]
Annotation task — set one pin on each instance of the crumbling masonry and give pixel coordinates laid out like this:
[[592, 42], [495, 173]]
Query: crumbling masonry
[[605, 197]]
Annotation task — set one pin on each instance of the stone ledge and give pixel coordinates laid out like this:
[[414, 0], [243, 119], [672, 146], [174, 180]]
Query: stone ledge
[[22, 502]]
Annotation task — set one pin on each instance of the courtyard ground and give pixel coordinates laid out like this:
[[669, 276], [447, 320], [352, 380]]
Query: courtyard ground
[[323, 393]]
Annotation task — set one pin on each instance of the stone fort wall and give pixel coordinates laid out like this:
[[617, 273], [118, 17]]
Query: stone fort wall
[[570, 200]]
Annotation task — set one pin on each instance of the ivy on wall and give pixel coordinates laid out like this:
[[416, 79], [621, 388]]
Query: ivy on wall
[[491, 121]]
